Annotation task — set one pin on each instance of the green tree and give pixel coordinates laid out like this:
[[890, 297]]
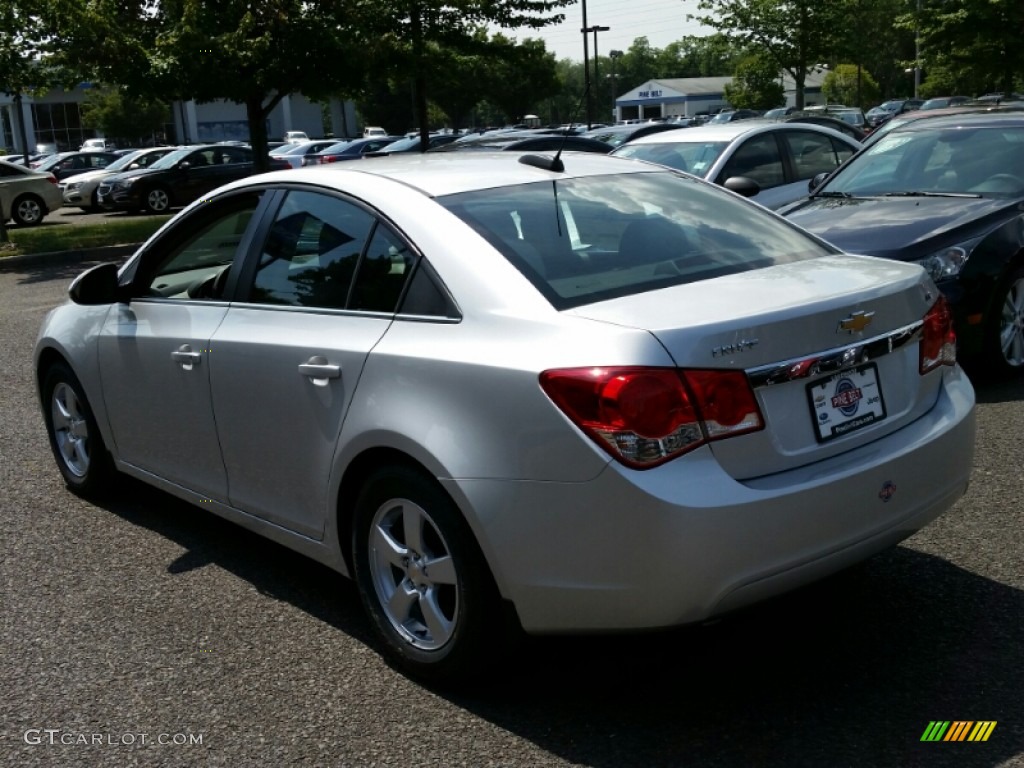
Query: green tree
[[976, 43], [405, 35], [520, 76], [253, 54], [122, 116], [841, 86], [705, 56], [796, 34], [755, 85]]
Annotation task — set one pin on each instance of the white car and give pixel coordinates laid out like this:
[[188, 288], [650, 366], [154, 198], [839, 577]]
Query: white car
[[295, 137], [573, 394], [26, 196], [768, 162]]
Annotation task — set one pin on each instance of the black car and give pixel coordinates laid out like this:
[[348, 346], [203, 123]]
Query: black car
[[614, 135], [525, 141], [947, 193], [835, 123], [178, 178], [70, 163]]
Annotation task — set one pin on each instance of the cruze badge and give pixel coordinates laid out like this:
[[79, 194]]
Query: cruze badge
[[731, 349], [856, 322]]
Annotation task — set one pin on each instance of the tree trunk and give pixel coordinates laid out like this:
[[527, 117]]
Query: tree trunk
[[420, 81], [256, 112]]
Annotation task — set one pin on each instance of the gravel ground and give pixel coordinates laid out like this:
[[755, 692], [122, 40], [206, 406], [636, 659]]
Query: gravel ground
[[145, 620]]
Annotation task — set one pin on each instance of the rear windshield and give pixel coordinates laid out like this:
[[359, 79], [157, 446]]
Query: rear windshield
[[585, 240], [694, 157]]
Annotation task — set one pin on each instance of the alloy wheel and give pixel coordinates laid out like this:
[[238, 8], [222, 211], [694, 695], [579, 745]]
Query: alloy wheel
[[70, 429], [414, 576]]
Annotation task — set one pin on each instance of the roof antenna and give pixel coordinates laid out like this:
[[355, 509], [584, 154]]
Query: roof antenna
[[555, 163]]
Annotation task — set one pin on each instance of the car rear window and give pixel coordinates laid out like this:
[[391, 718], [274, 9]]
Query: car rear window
[[585, 240]]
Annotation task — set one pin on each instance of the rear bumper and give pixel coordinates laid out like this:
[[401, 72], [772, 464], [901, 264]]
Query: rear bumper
[[684, 542]]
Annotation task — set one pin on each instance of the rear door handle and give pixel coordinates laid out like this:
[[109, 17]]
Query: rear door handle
[[185, 357], [318, 370]]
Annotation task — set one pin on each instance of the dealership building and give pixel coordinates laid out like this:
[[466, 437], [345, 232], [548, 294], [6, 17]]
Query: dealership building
[[55, 119], [689, 96]]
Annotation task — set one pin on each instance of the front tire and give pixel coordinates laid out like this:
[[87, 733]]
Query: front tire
[[75, 439], [158, 200], [28, 210], [423, 580], [1006, 334]]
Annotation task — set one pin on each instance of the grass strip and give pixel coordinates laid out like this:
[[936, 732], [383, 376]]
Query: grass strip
[[57, 238]]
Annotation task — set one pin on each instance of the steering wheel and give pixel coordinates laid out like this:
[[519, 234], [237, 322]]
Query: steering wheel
[[211, 287], [1002, 182]]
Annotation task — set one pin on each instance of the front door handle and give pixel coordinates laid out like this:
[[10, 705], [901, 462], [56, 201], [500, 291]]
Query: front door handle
[[185, 357], [318, 370]]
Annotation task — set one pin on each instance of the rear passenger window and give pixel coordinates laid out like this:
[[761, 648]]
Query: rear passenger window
[[382, 273], [757, 159], [812, 153], [311, 252]]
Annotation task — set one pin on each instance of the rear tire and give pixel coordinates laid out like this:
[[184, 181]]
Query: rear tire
[[75, 439], [28, 210], [423, 581]]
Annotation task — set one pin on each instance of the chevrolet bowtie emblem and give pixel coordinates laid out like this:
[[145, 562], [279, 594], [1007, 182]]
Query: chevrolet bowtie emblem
[[856, 322]]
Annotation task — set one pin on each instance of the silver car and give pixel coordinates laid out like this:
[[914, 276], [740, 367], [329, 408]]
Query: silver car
[[565, 395], [768, 162]]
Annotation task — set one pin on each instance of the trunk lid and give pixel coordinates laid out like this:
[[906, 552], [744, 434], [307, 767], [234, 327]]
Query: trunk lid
[[828, 344]]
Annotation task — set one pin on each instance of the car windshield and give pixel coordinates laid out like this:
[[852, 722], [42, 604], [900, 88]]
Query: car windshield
[[171, 159], [590, 239], [961, 160], [123, 163], [691, 156], [334, 148]]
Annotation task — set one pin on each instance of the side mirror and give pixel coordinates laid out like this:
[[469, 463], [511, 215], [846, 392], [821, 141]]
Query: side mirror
[[97, 285], [184, 165], [817, 181], [742, 185]]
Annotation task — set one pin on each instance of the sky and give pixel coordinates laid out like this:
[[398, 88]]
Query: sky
[[660, 21]]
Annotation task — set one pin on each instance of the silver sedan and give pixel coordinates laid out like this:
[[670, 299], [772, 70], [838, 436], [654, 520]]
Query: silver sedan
[[510, 393]]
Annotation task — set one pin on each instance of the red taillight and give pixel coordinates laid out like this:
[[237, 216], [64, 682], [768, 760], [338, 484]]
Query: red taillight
[[938, 339], [647, 416], [51, 178]]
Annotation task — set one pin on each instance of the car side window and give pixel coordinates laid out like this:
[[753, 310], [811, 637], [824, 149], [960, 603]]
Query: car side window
[[843, 151], [311, 252], [382, 273], [812, 153], [197, 263], [758, 159]]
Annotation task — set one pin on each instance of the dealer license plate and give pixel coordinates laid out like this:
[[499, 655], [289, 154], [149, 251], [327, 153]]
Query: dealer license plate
[[846, 402]]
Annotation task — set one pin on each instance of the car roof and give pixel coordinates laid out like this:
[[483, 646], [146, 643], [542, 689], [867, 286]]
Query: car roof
[[932, 120], [445, 173], [731, 131]]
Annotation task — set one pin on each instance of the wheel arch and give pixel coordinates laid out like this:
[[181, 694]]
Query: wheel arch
[[359, 468]]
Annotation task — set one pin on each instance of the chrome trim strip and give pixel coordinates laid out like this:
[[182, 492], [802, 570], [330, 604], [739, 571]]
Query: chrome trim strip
[[834, 360]]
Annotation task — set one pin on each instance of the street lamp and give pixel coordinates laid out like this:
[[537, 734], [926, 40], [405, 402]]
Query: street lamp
[[597, 81]]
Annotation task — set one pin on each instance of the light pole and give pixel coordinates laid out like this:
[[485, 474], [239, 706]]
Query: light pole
[[586, 66], [597, 82]]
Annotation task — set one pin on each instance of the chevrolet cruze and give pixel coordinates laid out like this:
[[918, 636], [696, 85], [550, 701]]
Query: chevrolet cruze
[[516, 392]]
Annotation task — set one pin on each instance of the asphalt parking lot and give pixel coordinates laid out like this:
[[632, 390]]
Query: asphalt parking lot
[[147, 632]]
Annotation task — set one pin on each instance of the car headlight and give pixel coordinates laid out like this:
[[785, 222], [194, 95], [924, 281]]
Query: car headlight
[[947, 262], [72, 187], [126, 184]]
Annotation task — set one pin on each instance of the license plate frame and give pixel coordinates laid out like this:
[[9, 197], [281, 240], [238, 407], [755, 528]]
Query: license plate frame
[[846, 402]]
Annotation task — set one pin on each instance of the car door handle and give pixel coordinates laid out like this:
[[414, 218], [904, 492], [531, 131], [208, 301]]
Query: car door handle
[[319, 370], [185, 357]]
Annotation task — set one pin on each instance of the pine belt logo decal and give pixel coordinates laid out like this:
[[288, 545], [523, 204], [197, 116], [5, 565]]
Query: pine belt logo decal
[[958, 730]]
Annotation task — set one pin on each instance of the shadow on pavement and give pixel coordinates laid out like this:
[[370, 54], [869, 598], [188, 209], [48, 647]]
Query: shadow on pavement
[[848, 672]]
